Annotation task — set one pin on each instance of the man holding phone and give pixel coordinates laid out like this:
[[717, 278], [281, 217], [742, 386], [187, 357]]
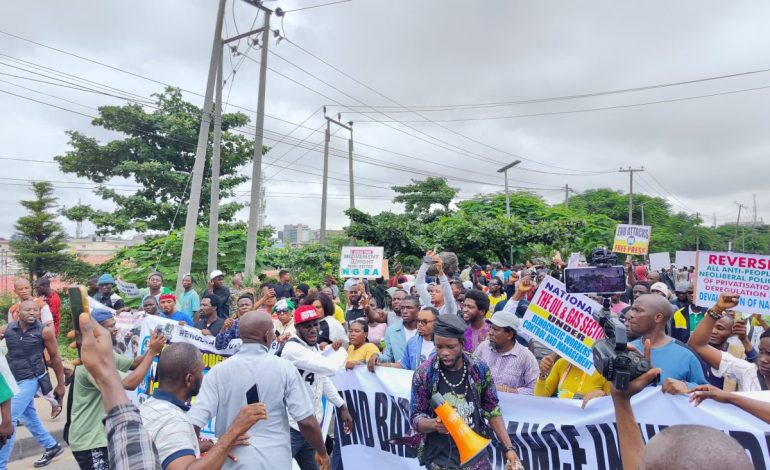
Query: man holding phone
[[441, 298], [86, 434]]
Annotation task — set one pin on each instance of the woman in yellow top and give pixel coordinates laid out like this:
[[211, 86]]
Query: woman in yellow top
[[568, 381], [359, 350]]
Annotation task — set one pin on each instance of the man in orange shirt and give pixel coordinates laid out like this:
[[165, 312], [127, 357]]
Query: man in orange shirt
[[23, 290]]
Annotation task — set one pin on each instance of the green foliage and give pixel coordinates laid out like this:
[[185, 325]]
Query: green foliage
[[420, 196], [308, 264], [157, 153], [38, 244]]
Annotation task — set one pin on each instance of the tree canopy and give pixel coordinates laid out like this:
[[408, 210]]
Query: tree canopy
[[157, 153]]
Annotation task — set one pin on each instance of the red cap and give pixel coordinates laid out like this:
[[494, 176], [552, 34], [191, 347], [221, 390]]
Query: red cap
[[167, 297], [304, 314]]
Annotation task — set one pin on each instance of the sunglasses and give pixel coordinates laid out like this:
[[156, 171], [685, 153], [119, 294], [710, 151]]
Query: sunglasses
[[279, 312]]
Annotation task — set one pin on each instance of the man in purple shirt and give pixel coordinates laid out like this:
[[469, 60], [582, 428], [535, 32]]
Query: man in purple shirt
[[514, 368], [475, 309]]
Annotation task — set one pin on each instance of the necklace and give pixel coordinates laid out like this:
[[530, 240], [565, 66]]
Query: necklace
[[451, 385]]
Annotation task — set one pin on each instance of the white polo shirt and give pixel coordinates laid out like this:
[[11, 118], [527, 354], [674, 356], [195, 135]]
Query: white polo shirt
[[170, 428]]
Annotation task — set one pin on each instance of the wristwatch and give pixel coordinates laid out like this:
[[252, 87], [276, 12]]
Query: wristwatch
[[716, 316]]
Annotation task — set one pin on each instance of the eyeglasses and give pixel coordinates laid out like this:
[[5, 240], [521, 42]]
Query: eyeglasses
[[425, 322], [282, 311]]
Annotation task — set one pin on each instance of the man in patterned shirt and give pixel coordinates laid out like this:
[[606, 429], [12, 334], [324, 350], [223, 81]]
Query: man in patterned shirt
[[465, 383]]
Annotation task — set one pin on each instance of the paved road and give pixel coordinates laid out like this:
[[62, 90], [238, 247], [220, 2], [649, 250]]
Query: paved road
[[63, 462]]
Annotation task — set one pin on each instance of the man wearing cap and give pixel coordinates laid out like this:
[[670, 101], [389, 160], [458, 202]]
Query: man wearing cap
[[514, 368], [105, 296], [168, 310], [465, 383], [687, 318], [660, 288], [217, 287], [316, 369], [85, 432]]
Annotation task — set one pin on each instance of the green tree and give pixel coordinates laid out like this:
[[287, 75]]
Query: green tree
[[420, 196], [38, 244], [157, 152]]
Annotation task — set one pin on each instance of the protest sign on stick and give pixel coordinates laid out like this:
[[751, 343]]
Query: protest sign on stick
[[659, 261], [632, 239], [740, 273], [564, 322], [361, 261], [684, 259], [129, 289]]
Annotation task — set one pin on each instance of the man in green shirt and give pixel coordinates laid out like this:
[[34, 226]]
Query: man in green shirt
[[87, 438]]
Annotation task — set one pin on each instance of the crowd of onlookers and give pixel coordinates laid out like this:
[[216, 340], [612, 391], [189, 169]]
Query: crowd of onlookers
[[280, 376]]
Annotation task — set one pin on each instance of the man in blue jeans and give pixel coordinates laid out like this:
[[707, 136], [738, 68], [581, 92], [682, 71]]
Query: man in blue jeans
[[26, 339]]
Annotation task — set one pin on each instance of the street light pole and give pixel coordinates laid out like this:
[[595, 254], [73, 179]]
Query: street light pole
[[504, 171]]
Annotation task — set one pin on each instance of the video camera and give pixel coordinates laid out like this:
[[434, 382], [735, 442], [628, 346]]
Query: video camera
[[611, 358]]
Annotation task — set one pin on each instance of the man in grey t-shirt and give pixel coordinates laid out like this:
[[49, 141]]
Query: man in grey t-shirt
[[264, 377]]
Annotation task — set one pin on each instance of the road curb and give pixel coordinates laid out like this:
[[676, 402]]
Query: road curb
[[28, 446]]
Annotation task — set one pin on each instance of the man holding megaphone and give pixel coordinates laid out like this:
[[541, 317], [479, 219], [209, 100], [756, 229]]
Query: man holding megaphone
[[454, 403]]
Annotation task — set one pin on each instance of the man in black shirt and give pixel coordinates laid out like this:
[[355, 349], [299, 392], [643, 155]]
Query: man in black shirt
[[217, 287], [209, 322], [105, 296], [284, 289]]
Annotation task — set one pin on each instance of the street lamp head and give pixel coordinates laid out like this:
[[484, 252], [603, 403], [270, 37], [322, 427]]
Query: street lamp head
[[508, 166]]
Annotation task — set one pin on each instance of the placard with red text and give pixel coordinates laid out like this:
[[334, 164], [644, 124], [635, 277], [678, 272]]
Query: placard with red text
[[738, 273]]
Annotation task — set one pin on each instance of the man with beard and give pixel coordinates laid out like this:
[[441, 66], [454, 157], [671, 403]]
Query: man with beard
[[398, 334], [180, 373], [84, 430], [463, 381], [709, 340], [316, 369], [514, 368]]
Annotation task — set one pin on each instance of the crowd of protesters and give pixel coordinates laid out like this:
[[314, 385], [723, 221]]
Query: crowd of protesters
[[459, 330]]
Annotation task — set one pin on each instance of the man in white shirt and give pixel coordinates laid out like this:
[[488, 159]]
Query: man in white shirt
[[180, 373], [316, 369], [441, 296], [253, 374]]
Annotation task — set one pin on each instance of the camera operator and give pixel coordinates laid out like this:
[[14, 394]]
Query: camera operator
[[647, 319]]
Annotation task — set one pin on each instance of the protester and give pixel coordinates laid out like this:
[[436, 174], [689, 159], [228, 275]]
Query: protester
[[398, 335], [361, 306], [23, 290], [106, 296], [559, 377], [51, 298], [376, 329], [420, 347], [616, 305], [244, 304], [180, 373], [93, 286], [440, 296], [465, 383], [637, 291], [217, 287], [300, 293], [237, 288], [331, 283], [209, 322], [339, 314], [284, 321], [475, 308], [189, 302], [86, 436], [647, 319], [496, 293], [284, 290], [26, 340], [150, 305], [155, 286], [266, 301], [359, 351], [678, 446], [128, 445], [332, 331], [682, 295], [168, 310], [6, 419], [687, 318], [709, 342], [278, 385], [757, 408], [514, 368], [661, 289]]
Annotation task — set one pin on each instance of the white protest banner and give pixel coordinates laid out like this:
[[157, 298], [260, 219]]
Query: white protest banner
[[564, 322], [739, 273], [660, 261], [129, 289], [632, 239], [547, 433], [361, 261], [684, 259]]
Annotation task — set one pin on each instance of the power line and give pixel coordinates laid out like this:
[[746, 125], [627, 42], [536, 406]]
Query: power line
[[317, 6]]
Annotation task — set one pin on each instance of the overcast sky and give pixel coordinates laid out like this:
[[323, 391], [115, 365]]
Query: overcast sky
[[701, 154]]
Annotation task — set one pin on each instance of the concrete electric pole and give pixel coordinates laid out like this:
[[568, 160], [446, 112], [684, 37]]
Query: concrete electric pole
[[324, 188], [504, 171], [631, 172]]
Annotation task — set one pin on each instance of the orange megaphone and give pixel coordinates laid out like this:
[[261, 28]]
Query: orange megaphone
[[468, 443]]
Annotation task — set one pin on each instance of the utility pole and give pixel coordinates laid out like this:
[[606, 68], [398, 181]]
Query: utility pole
[[324, 190], [255, 207], [631, 172], [715, 220], [737, 223], [215, 168], [504, 171], [193, 204], [755, 210]]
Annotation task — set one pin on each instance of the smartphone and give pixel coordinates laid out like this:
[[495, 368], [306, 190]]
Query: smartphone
[[427, 259], [78, 296], [595, 280], [252, 395]]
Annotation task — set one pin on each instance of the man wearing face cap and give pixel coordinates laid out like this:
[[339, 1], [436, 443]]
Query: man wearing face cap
[[466, 383], [84, 430]]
